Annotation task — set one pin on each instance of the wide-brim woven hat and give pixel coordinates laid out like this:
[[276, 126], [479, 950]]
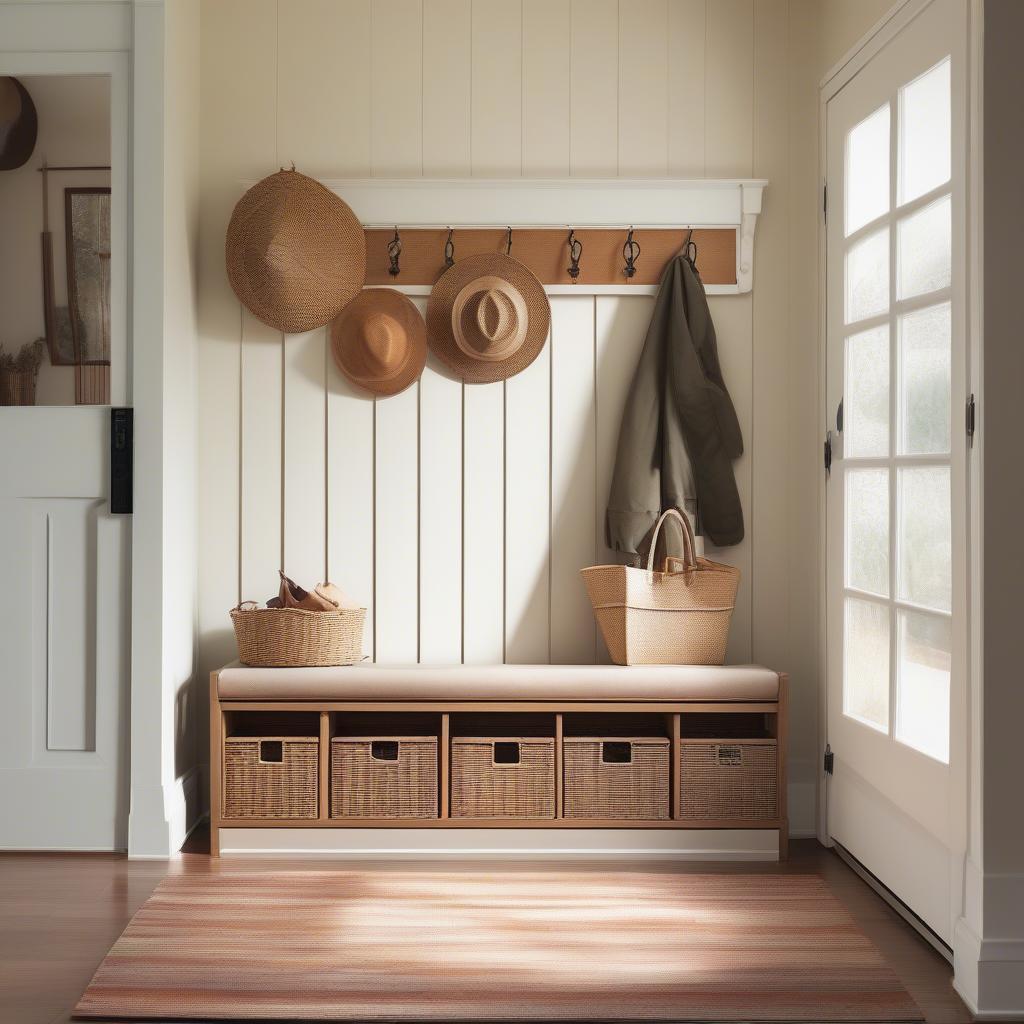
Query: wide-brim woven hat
[[380, 341], [296, 253], [488, 317], [19, 124]]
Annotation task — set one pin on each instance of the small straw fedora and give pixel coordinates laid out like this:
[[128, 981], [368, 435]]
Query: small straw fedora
[[380, 341], [296, 253], [488, 317]]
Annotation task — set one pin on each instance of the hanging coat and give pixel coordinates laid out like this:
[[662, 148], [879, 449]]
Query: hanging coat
[[679, 433]]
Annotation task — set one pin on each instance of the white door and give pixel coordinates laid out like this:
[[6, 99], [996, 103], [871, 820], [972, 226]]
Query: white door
[[64, 558], [895, 496]]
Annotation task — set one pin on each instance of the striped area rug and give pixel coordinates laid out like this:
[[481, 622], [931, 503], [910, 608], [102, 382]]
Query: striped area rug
[[503, 946]]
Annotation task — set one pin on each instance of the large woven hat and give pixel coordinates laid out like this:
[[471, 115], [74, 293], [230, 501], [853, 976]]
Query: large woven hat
[[488, 317], [380, 342], [296, 253], [19, 124]]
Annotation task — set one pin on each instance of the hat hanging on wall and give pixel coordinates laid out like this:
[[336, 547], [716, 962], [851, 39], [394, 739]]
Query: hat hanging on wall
[[488, 317], [296, 253], [380, 341], [19, 124]]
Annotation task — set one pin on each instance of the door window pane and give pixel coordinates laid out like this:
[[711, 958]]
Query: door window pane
[[867, 530], [866, 395], [924, 346], [866, 663], [922, 702], [867, 170], [925, 565], [924, 133], [867, 277], [924, 253]]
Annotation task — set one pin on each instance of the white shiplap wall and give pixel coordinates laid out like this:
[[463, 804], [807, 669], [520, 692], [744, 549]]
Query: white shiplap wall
[[461, 514]]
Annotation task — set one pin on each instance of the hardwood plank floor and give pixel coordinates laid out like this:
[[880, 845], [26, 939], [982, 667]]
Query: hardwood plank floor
[[60, 913]]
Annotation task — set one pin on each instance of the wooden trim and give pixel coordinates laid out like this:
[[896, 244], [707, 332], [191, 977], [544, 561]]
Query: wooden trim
[[559, 765], [216, 746], [625, 823], [313, 704], [676, 776], [782, 738], [324, 807], [445, 787]]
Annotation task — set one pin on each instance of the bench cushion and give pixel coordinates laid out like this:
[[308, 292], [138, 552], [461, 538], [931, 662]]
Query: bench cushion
[[502, 683]]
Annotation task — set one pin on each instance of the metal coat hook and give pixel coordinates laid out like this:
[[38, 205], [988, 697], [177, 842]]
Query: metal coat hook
[[575, 251], [690, 249], [630, 253], [394, 252], [449, 250], [508, 242]]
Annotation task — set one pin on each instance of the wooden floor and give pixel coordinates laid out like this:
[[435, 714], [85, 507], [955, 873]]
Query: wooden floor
[[60, 913]]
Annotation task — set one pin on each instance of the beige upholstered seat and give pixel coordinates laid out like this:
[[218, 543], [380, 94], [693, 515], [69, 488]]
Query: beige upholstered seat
[[502, 683]]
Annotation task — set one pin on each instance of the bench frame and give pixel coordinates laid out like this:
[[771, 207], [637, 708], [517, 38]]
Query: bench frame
[[673, 711]]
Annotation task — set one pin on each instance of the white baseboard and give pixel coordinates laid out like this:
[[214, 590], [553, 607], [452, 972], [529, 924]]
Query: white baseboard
[[162, 816], [503, 843]]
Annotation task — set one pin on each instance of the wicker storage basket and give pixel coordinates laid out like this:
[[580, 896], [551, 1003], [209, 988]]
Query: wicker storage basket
[[271, 776], [677, 617], [616, 777], [291, 637], [506, 777], [728, 779], [384, 777]]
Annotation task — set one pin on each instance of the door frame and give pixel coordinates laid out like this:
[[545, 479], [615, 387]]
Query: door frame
[[965, 89]]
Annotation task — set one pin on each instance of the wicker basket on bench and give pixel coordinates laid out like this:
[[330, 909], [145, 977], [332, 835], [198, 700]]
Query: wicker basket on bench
[[293, 637]]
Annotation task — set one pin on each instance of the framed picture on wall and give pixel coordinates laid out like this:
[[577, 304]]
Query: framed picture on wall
[[87, 243]]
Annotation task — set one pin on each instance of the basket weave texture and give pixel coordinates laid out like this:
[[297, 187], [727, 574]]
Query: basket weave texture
[[260, 789], [483, 789], [598, 789], [728, 779], [365, 787], [17, 387], [293, 637], [678, 617]]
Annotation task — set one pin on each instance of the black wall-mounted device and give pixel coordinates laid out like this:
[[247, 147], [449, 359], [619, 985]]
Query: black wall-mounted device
[[122, 448]]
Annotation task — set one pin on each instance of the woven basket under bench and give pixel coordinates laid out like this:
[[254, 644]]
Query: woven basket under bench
[[271, 776], [503, 777], [722, 779], [392, 777], [617, 778]]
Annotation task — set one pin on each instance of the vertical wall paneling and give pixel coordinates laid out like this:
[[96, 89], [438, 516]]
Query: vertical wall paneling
[[497, 88], [324, 52], [770, 422], [236, 142], [261, 459], [527, 512], [305, 457], [396, 531], [483, 523], [643, 87], [620, 326], [546, 87], [350, 488], [447, 74], [574, 536], [729, 142], [687, 27], [594, 70], [729, 88], [440, 515], [396, 83]]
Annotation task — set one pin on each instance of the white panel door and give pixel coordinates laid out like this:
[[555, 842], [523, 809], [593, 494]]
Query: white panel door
[[895, 495]]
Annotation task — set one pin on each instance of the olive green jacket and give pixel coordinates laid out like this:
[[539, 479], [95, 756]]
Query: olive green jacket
[[679, 433]]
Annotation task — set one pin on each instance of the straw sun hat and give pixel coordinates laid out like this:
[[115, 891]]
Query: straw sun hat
[[296, 253], [380, 342], [488, 317]]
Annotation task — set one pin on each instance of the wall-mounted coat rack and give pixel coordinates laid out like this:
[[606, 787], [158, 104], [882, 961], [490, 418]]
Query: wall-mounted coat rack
[[474, 215]]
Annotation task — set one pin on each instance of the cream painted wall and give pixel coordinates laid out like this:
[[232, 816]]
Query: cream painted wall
[[74, 128], [492, 87], [843, 22]]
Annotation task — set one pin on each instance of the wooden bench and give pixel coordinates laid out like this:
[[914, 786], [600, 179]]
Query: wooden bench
[[726, 704]]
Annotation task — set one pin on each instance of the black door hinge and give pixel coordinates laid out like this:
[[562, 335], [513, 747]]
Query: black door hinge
[[971, 414], [830, 760], [824, 201], [828, 452]]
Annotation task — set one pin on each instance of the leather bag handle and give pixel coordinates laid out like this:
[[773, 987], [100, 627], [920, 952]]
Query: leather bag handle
[[689, 557]]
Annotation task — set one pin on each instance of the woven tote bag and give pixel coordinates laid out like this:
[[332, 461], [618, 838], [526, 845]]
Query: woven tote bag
[[679, 616]]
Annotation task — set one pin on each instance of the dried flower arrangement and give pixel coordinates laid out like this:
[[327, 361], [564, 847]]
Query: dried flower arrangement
[[18, 373]]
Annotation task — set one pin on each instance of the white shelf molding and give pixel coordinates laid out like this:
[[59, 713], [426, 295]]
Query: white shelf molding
[[565, 203]]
